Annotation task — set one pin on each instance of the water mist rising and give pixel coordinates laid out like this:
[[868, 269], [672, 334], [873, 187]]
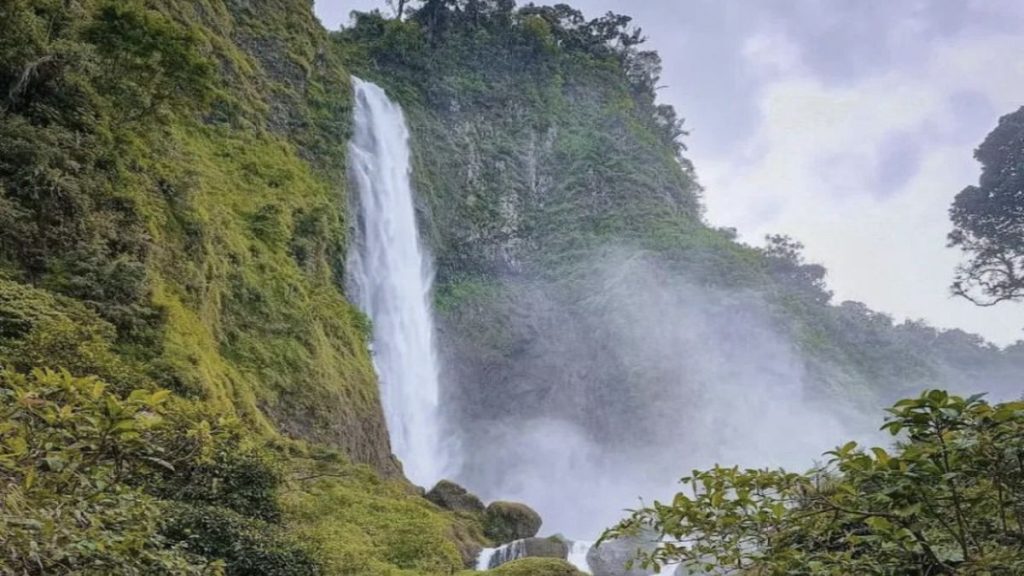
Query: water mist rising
[[625, 378], [392, 282]]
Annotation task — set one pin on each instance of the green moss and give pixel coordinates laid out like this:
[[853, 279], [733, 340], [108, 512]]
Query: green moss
[[533, 567], [362, 525], [41, 330]]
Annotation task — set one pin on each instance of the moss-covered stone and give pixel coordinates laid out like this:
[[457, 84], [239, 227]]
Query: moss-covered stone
[[533, 567], [451, 496], [508, 521], [550, 547]]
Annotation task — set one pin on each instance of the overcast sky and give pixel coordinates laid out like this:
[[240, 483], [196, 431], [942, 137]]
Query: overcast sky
[[847, 124]]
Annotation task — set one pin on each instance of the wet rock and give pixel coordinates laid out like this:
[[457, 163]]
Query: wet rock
[[611, 558], [508, 521], [451, 496], [550, 547]]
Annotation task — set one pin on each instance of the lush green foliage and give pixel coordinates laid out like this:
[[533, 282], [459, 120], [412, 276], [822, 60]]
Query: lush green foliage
[[988, 222], [100, 483], [71, 456], [947, 499], [363, 526], [172, 214]]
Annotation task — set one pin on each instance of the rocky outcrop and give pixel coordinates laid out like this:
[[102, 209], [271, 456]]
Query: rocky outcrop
[[451, 496], [508, 521], [550, 547], [613, 558]]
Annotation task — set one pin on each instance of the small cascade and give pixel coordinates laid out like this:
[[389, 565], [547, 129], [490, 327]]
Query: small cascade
[[494, 557], [483, 561], [578, 555], [490, 558]]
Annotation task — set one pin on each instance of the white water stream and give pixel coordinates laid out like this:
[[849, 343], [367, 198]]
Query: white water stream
[[392, 280]]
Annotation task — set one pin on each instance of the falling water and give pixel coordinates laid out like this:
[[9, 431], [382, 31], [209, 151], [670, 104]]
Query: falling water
[[578, 555], [494, 557], [392, 280]]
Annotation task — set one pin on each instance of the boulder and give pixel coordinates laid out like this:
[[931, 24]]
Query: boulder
[[508, 521], [451, 496], [612, 557], [550, 547]]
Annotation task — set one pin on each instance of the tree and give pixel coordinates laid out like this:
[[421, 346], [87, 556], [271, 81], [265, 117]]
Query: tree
[[988, 219], [786, 262], [947, 500]]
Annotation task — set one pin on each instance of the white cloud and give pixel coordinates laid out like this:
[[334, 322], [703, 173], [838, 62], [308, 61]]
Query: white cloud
[[773, 54], [811, 169]]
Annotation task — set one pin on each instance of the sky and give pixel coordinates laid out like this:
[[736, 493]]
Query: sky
[[847, 124]]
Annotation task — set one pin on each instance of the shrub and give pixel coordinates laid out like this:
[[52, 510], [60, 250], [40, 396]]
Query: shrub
[[947, 500]]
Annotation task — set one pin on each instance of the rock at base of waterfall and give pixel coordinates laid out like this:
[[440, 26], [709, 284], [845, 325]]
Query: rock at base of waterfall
[[451, 496], [612, 557], [550, 547], [508, 521], [537, 567]]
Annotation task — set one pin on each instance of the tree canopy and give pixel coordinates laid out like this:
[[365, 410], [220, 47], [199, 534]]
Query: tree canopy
[[988, 219]]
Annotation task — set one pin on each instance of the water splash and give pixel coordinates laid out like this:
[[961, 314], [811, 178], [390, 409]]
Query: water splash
[[494, 557], [391, 280], [578, 555]]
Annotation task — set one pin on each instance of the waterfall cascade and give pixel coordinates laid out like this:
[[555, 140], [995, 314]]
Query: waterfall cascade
[[494, 557], [578, 555], [391, 280]]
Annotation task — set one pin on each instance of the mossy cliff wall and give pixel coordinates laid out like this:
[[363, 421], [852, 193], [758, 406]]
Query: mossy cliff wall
[[195, 229], [173, 215]]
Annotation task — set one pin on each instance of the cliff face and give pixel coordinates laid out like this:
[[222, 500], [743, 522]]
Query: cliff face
[[173, 201], [186, 188]]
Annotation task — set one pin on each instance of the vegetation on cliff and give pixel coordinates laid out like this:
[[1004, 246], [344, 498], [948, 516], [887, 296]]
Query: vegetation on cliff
[[182, 381]]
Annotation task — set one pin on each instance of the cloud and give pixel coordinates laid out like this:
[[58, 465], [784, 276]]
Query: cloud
[[863, 171]]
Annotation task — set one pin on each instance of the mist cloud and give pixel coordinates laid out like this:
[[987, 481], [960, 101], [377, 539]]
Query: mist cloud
[[662, 377]]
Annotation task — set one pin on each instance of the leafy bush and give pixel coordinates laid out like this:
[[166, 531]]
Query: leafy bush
[[948, 500], [103, 483], [246, 546], [68, 449]]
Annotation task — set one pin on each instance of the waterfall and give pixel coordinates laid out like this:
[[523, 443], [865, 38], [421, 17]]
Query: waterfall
[[391, 280], [494, 557], [578, 555]]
